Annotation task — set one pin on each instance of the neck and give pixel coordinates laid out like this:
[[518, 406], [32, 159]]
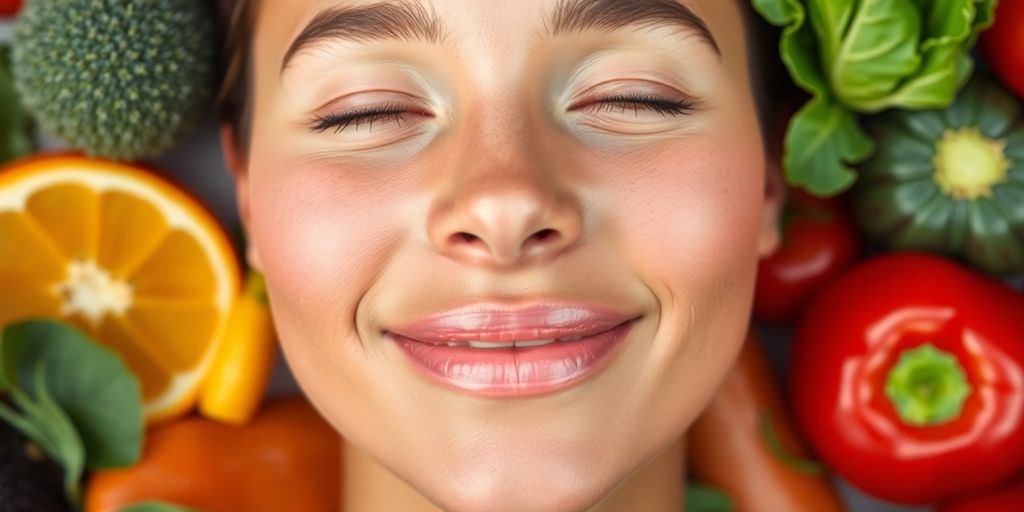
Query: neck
[[656, 487]]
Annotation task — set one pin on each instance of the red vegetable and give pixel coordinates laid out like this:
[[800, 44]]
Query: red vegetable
[[907, 376], [9, 7], [1007, 498], [1003, 44], [818, 243]]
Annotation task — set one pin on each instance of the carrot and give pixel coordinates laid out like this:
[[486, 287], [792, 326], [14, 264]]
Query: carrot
[[745, 444]]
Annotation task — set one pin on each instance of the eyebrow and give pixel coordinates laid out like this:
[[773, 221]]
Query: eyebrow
[[411, 21], [580, 15]]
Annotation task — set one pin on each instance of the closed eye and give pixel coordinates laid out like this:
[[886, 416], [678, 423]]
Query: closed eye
[[398, 113], [637, 103], [379, 114]]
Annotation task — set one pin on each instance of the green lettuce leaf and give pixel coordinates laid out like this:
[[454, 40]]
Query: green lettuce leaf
[[823, 138], [866, 56], [871, 46]]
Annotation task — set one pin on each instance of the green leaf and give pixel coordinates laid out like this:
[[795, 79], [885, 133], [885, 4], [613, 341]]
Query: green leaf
[[823, 139], [950, 26], [798, 43], [15, 123], [779, 12], [87, 380], [157, 506], [869, 47], [43, 421], [704, 498], [983, 19]]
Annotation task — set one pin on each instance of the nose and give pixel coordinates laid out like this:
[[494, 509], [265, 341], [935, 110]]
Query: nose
[[504, 215]]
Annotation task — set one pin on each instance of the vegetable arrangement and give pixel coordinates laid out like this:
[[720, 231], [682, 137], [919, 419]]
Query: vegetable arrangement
[[865, 57], [906, 372], [97, 321]]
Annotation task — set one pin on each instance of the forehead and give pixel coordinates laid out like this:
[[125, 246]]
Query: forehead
[[286, 28]]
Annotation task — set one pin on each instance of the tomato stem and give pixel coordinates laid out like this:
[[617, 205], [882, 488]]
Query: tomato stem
[[927, 386]]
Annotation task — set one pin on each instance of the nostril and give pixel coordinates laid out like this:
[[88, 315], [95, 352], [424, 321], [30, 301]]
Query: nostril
[[466, 237], [543, 234]]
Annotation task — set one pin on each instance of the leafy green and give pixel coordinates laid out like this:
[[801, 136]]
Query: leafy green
[[821, 136], [703, 498], [865, 56], [76, 399], [89, 381], [44, 422], [15, 123]]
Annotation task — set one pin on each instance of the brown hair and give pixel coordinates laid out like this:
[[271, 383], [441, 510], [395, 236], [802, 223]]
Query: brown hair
[[238, 19]]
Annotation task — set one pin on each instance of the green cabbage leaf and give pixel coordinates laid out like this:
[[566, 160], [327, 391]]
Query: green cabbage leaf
[[861, 57]]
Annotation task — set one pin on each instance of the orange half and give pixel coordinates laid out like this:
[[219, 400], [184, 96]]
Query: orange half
[[125, 256]]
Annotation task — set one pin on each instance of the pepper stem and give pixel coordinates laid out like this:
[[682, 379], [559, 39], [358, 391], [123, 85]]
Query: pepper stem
[[968, 164], [927, 386]]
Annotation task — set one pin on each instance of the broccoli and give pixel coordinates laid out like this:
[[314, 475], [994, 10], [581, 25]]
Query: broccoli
[[120, 79]]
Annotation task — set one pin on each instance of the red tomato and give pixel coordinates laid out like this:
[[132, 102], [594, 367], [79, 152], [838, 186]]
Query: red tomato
[[907, 376], [818, 242], [1003, 44], [9, 7]]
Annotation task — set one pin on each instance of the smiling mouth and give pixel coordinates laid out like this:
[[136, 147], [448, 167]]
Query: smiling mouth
[[502, 344], [513, 368]]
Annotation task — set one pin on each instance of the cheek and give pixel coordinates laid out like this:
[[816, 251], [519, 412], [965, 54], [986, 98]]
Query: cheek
[[691, 214], [322, 241], [689, 224]]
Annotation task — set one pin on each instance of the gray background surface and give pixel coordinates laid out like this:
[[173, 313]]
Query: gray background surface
[[197, 164]]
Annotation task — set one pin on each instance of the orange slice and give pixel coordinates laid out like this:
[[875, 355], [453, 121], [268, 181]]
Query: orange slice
[[125, 256]]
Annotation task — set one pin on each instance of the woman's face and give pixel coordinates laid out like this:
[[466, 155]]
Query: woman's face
[[452, 170]]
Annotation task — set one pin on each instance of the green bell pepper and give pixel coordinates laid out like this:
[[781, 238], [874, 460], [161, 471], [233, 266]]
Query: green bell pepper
[[950, 181]]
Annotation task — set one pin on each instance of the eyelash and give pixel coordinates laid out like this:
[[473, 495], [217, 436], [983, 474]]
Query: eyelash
[[383, 112], [638, 102], [396, 112]]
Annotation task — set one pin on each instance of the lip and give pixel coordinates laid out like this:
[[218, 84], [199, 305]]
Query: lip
[[494, 321], [515, 371]]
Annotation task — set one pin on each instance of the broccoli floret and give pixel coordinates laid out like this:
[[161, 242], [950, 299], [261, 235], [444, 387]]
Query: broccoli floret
[[120, 79]]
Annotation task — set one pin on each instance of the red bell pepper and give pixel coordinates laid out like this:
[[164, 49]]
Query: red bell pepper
[[819, 242], [1007, 498], [907, 376]]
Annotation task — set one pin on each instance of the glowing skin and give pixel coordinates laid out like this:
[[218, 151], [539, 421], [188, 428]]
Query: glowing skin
[[659, 215]]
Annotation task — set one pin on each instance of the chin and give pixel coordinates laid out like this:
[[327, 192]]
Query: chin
[[572, 492], [545, 475]]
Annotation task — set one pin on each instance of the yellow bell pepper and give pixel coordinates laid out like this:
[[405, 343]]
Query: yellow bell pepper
[[238, 379]]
